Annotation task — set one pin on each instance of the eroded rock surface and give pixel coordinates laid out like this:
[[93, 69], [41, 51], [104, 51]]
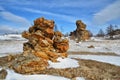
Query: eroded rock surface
[[43, 44], [81, 34]]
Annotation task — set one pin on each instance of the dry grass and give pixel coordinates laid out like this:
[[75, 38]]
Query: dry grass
[[92, 53]]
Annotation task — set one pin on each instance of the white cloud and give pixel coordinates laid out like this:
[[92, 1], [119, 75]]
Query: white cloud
[[13, 18], [109, 13], [59, 16], [11, 29], [8, 29], [1, 8]]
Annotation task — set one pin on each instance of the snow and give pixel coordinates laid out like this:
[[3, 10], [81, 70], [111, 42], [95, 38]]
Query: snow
[[10, 47], [11, 37], [64, 63], [15, 76], [80, 78], [115, 60], [105, 46]]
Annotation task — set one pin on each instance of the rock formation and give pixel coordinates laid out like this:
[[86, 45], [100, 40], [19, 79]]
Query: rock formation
[[43, 44], [81, 34]]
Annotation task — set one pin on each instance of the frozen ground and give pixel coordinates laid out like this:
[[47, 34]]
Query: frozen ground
[[15, 76], [64, 63], [14, 44], [105, 46]]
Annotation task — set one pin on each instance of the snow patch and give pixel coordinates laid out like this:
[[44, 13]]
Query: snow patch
[[64, 63], [15, 76], [80, 78]]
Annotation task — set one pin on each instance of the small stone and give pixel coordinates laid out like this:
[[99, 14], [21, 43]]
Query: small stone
[[3, 74]]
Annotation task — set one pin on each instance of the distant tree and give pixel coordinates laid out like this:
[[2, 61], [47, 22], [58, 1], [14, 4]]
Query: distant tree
[[110, 31], [67, 34], [101, 33], [56, 28], [62, 29]]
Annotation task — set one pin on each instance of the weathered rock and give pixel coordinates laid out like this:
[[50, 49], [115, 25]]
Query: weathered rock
[[91, 46], [3, 74], [43, 44], [61, 46], [81, 34]]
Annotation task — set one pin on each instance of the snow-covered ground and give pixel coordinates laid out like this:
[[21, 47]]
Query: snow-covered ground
[[11, 43], [64, 63], [14, 44], [15, 76], [7, 47], [105, 46], [11, 37]]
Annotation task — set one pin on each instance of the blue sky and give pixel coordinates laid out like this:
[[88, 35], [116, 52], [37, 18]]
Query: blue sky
[[18, 15]]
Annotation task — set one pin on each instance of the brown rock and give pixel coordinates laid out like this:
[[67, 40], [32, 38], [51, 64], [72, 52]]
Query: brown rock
[[58, 33], [91, 46], [43, 44], [3, 74], [26, 34], [62, 46], [42, 55], [30, 66], [80, 34], [63, 55]]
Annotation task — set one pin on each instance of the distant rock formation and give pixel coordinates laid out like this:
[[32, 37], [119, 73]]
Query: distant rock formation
[[81, 34], [43, 44]]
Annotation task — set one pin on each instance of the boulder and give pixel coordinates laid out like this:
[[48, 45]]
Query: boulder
[[3, 74]]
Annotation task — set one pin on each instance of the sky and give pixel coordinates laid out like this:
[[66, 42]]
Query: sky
[[18, 15]]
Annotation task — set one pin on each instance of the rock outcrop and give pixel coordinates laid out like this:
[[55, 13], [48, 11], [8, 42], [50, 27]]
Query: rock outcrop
[[43, 44], [81, 34]]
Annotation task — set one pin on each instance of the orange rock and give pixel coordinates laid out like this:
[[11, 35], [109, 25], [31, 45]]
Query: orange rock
[[43, 43], [49, 33], [58, 33], [49, 40], [26, 34], [52, 54], [63, 55], [61, 47], [42, 55]]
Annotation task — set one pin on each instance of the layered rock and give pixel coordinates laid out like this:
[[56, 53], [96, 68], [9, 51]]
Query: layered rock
[[43, 44], [81, 34]]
